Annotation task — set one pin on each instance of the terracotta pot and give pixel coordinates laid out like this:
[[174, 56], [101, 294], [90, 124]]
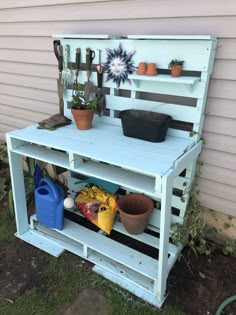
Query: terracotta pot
[[151, 69], [142, 68], [83, 118], [135, 211], [176, 70]]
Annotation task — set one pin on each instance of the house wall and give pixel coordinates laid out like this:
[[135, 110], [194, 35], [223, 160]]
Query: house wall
[[28, 91]]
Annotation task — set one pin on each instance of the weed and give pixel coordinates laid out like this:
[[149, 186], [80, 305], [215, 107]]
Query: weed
[[230, 248]]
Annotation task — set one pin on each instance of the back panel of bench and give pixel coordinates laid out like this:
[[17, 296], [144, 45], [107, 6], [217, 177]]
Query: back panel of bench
[[183, 98]]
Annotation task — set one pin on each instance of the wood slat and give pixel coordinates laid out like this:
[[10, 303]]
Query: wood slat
[[219, 142], [178, 112]]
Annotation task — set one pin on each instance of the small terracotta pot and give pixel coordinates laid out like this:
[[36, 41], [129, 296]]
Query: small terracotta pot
[[83, 118], [176, 70], [151, 69], [142, 68], [135, 211]]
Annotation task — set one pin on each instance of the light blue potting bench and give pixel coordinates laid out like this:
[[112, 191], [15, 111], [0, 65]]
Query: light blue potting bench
[[155, 169]]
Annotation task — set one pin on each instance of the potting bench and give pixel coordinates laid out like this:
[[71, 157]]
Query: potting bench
[[163, 171]]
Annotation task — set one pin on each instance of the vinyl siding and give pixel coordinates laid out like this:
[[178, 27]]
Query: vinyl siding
[[28, 72]]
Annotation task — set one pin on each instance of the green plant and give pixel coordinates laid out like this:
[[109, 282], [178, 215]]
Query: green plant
[[175, 62], [4, 176], [80, 102], [3, 151], [192, 233], [230, 248]]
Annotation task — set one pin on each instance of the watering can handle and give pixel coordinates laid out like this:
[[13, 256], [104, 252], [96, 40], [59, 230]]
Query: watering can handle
[[51, 185]]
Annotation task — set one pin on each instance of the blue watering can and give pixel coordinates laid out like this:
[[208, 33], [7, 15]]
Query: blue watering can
[[49, 198]]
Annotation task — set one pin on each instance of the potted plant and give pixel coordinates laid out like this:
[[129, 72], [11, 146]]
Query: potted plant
[[83, 109], [175, 67]]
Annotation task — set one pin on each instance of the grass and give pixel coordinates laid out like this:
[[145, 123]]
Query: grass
[[61, 284], [7, 228]]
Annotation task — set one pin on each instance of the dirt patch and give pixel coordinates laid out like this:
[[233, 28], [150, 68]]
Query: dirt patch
[[197, 289], [20, 267], [204, 284]]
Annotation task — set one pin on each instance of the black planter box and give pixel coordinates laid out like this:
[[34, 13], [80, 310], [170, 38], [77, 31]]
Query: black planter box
[[145, 125]]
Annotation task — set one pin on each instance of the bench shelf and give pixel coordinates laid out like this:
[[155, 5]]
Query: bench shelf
[[138, 263], [165, 78]]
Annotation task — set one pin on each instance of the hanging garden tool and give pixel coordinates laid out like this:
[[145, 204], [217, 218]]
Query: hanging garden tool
[[66, 73], [99, 94], [57, 120], [77, 68], [90, 54], [58, 53]]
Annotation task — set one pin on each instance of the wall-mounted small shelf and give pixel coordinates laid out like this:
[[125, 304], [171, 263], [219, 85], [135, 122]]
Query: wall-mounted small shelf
[[164, 78]]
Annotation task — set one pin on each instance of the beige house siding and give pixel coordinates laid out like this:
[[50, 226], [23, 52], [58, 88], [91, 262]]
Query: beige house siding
[[28, 69]]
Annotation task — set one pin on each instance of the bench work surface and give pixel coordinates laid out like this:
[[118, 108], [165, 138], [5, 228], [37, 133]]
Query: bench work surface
[[106, 143]]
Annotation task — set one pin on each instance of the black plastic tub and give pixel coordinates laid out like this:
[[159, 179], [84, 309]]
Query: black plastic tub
[[145, 125]]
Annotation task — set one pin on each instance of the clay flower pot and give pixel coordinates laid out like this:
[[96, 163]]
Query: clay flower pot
[[135, 211], [176, 70], [142, 68], [83, 118], [176, 67], [151, 69]]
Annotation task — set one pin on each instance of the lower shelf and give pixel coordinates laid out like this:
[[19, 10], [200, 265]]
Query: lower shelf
[[126, 266]]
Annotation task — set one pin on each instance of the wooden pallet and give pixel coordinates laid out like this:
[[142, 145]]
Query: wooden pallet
[[155, 169]]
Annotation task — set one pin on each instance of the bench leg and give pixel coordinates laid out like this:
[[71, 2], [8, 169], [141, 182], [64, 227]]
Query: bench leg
[[167, 186], [18, 190]]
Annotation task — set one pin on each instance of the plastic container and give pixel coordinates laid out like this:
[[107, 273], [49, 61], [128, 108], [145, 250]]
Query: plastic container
[[135, 211], [145, 125], [49, 198]]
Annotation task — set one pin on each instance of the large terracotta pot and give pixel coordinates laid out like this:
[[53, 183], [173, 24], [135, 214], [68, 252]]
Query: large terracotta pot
[[83, 118], [135, 211]]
